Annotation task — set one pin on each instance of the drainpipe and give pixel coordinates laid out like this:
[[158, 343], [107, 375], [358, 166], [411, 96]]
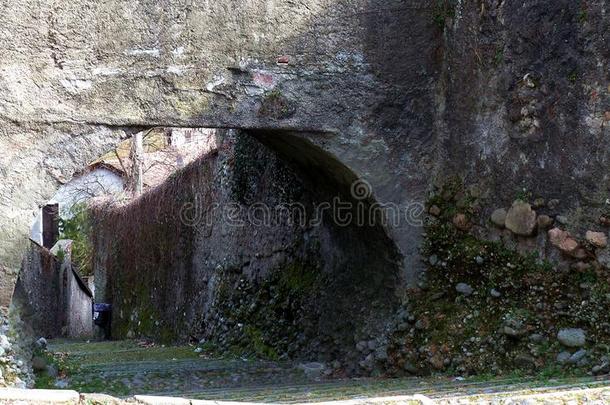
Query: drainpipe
[[138, 162]]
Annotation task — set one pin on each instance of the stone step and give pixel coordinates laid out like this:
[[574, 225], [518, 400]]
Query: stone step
[[12, 395], [146, 372], [364, 388]]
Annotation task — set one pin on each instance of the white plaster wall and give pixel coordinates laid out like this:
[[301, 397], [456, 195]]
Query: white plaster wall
[[96, 183], [190, 143], [79, 310]]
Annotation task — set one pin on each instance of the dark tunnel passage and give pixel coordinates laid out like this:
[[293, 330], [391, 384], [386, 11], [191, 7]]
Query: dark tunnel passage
[[306, 283]]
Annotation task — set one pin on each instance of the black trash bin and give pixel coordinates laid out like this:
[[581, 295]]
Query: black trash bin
[[102, 316]]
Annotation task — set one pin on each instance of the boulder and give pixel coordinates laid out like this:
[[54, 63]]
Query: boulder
[[525, 361], [464, 289], [603, 257], [603, 368], [4, 343], [581, 267], [563, 357], [435, 210], [521, 219], [553, 204], [597, 239], [437, 361], [544, 222], [572, 337], [368, 363], [312, 370], [461, 222], [498, 217], [580, 253], [512, 332], [578, 356], [39, 363], [41, 343], [562, 240], [381, 353], [495, 293], [539, 203]]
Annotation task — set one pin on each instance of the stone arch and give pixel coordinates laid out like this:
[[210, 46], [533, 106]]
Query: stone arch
[[321, 266]]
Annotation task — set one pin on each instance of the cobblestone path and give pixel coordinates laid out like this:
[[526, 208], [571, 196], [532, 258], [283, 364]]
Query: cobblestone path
[[126, 368]]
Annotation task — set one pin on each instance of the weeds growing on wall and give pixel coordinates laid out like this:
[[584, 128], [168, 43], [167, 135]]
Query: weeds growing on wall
[[276, 105], [508, 316], [272, 318], [145, 245]]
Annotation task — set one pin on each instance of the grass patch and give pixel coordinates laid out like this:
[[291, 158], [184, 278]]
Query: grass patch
[[79, 364]]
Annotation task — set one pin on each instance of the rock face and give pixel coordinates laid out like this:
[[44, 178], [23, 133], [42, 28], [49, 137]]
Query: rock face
[[572, 337], [521, 219]]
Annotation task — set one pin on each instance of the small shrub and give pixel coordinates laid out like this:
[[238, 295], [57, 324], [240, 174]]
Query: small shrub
[[573, 77], [276, 105], [78, 228]]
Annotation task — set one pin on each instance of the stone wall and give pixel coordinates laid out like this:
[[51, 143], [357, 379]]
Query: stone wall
[[52, 300], [527, 101], [509, 95], [38, 292], [178, 261], [76, 65]]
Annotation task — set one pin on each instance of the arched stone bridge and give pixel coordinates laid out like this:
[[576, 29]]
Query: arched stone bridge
[[397, 91]]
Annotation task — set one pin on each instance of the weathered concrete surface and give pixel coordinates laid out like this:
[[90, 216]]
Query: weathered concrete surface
[[210, 64], [79, 310], [17, 396], [507, 94]]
